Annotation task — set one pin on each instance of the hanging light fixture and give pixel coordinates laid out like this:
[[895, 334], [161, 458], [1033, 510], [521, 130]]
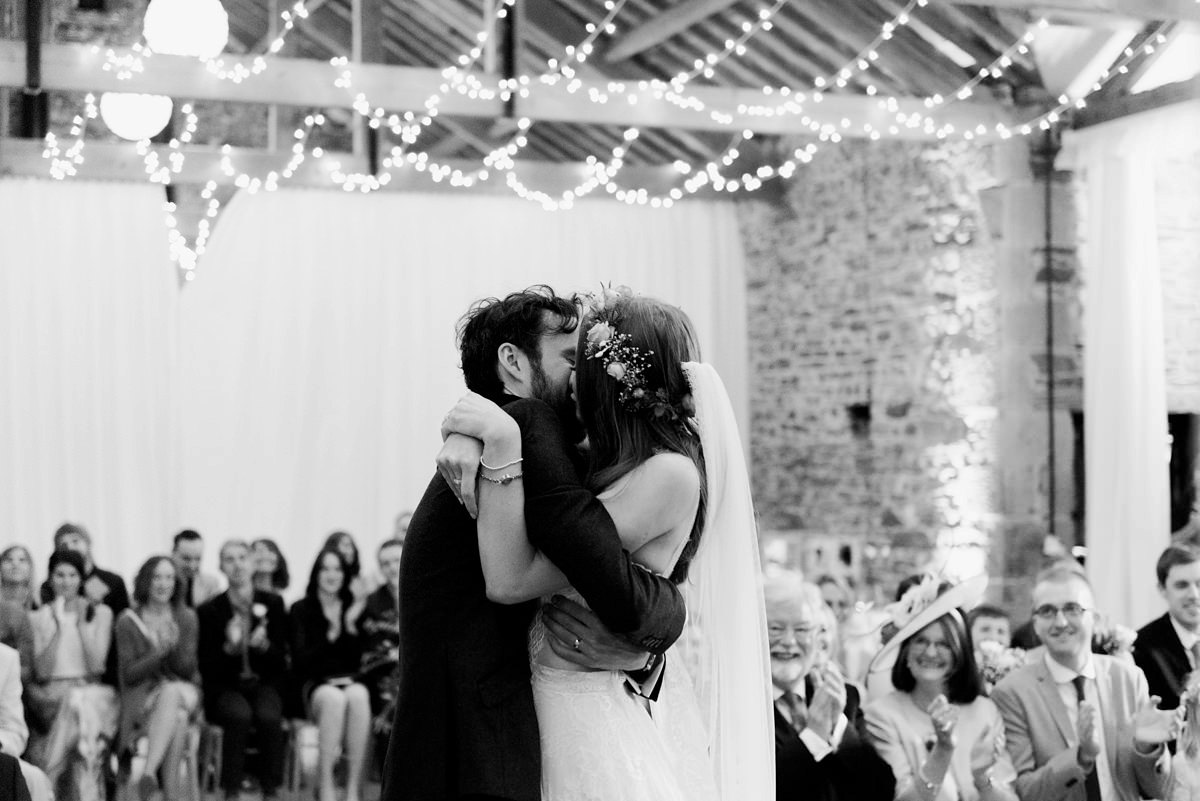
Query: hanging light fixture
[[133, 116], [197, 28]]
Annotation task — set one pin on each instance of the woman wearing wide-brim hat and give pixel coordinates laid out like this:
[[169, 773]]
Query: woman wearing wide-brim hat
[[942, 737]]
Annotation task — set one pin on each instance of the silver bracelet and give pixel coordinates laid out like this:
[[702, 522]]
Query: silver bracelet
[[503, 480], [487, 466]]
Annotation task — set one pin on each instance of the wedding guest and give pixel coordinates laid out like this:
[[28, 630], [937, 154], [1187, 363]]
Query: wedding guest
[[243, 664], [270, 567], [1080, 725], [99, 585], [156, 654], [380, 626], [821, 749], [73, 713], [16, 577], [17, 633], [838, 594], [1184, 784], [188, 552], [943, 738], [12, 781], [1167, 647], [327, 651], [360, 584], [989, 624], [14, 733]]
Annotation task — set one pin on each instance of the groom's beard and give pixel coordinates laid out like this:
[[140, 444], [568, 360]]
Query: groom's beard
[[560, 400]]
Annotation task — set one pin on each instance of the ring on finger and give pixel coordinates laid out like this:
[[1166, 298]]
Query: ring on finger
[[575, 644]]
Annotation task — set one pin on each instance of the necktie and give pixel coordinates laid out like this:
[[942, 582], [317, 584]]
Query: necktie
[[796, 709], [187, 593], [1092, 782], [1195, 654]]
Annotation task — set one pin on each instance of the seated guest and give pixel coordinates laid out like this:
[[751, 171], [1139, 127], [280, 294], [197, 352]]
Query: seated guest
[[188, 553], [156, 656], [1080, 725], [16, 577], [1167, 647], [344, 544], [270, 568], [380, 627], [243, 664], [989, 624], [327, 652], [821, 750], [14, 734], [943, 738], [73, 714]]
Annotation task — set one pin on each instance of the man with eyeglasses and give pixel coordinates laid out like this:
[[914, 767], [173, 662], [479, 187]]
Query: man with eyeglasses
[[1081, 726], [821, 750], [1168, 647]]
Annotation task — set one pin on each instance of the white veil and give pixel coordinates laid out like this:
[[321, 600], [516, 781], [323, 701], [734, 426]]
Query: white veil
[[724, 643]]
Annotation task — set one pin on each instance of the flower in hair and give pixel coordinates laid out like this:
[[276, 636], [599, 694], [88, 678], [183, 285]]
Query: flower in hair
[[626, 363], [598, 302]]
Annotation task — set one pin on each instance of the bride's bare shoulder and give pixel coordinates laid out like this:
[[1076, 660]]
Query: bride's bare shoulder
[[671, 473]]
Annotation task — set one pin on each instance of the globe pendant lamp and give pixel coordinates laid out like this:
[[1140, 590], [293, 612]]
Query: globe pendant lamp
[[133, 116], [197, 28]]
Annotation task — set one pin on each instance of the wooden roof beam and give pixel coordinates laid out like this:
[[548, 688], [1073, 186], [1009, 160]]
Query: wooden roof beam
[[676, 19], [310, 83], [1134, 9], [1115, 108]]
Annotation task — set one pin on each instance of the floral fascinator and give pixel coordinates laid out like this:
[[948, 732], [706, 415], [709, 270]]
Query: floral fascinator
[[920, 606]]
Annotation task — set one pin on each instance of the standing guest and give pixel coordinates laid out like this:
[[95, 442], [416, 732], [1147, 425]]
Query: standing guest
[[1081, 726], [188, 553], [990, 624], [327, 652], [14, 733], [269, 566], [243, 664], [943, 738], [838, 594], [1167, 647], [380, 626], [16, 577], [156, 655], [73, 714], [99, 585], [821, 749]]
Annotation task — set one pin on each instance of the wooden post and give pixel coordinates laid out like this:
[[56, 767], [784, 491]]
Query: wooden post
[[366, 47], [35, 112]]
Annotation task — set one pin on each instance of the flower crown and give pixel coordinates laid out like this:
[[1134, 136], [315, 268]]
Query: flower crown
[[626, 363]]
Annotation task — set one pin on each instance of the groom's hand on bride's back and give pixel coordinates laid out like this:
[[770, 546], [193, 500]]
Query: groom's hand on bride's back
[[577, 635]]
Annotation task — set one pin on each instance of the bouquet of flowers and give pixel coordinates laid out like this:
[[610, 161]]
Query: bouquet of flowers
[[1113, 639], [996, 662]]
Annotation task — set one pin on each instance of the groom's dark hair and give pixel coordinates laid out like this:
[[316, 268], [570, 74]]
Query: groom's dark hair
[[519, 319]]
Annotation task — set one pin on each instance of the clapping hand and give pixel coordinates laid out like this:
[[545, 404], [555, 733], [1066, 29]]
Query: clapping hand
[[258, 638], [1088, 731], [984, 753], [828, 700], [945, 718], [1152, 726], [95, 590]]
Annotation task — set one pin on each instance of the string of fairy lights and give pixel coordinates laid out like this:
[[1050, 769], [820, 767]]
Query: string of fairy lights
[[600, 172]]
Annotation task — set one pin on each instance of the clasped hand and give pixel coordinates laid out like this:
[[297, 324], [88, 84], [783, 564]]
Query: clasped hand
[[469, 423]]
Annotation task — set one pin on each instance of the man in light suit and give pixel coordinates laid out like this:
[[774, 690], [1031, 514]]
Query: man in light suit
[[1167, 646], [1081, 726], [14, 734]]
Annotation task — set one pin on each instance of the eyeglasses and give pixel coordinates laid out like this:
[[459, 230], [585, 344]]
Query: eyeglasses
[[777, 631], [920, 645], [1071, 611]]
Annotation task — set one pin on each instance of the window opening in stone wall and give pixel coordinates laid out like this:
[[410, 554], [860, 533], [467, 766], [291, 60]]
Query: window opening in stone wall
[[1182, 429], [859, 415]]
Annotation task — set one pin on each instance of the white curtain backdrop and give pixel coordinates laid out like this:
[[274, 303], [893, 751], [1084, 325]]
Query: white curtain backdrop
[[296, 386], [88, 367], [1125, 409]]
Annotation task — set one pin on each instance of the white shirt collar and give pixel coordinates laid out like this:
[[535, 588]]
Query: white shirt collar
[[1186, 638], [797, 688], [1064, 675]]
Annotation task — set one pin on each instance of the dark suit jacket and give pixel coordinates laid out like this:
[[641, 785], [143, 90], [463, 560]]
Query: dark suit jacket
[[853, 772], [1161, 656], [12, 783], [314, 658], [219, 671], [465, 720]]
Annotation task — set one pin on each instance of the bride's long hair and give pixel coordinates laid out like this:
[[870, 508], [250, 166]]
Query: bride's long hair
[[621, 438]]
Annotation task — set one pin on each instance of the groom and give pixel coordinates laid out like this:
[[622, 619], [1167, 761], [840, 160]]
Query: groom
[[465, 725]]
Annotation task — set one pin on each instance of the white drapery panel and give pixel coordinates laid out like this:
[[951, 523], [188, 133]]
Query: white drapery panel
[[318, 339], [296, 386], [88, 365], [1125, 409]]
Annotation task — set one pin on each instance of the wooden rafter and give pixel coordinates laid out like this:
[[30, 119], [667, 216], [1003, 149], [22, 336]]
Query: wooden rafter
[[310, 83], [1115, 108], [1133, 9], [673, 20]]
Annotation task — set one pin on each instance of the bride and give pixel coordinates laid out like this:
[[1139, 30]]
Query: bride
[[665, 459]]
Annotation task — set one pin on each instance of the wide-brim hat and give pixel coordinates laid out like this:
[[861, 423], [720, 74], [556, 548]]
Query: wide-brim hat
[[922, 611]]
